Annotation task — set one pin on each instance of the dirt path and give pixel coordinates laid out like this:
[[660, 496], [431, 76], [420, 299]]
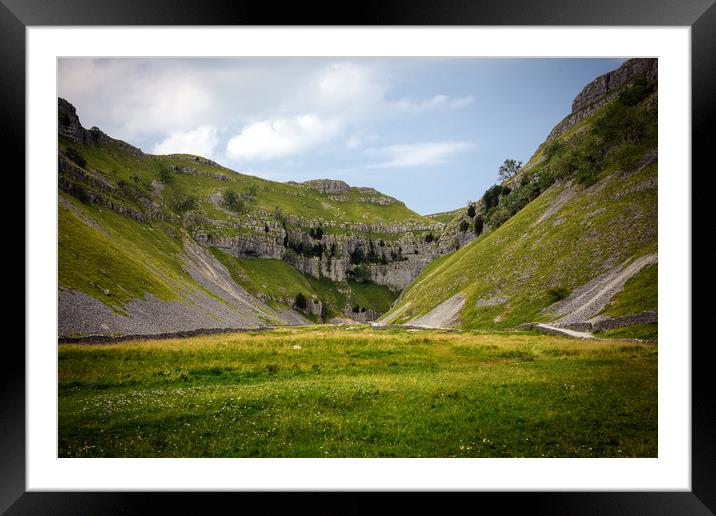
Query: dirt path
[[554, 330]]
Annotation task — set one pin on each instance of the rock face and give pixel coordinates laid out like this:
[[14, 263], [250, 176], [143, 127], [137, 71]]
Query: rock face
[[328, 186], [393, 263], [603, 89], [69, 126], [604, 84], [69, 123], [363, 315]]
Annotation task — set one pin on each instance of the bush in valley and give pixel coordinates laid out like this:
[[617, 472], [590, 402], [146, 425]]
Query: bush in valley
[[300, 301], [464, 226], [357, 256], [552, 148], [166, 176], [234, 201], [479, 224], [557, 294], [373, 256], [253, 190], [182, 203], [624, 156], [76, 156], [290, 255], [135, 190], [81, 193], [491, 198], [316, 233], [360, 273], [428, 238], [471, 210], [302, 249]]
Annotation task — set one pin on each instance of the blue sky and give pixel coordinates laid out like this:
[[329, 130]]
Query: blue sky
[[431, 132]]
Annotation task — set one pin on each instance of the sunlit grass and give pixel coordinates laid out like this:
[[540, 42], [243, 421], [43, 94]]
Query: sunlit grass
[[359, 392]]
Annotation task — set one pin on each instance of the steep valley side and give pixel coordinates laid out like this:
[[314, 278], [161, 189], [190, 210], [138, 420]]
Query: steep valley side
[[155, 244]]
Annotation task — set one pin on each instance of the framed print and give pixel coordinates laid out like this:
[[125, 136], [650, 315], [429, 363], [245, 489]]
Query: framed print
[[411, 250]]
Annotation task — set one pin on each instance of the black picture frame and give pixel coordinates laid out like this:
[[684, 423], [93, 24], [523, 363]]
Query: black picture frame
[[700, 15]]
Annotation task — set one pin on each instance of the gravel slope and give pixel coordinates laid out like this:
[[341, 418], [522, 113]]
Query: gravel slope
[[589, 299], [224, 304], [445, 315]]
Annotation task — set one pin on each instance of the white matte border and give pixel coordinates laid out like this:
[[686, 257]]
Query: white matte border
[[670, 471]]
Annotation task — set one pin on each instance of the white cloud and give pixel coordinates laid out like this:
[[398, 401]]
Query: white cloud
[[200, 141], [130, 98], [273, 108], [418, 154], [437, 101], [282, 137], [461, 102]]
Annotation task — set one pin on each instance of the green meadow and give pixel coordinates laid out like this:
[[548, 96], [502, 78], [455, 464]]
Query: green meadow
[[357, 391]]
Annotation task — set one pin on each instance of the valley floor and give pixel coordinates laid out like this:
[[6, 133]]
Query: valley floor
[[356, 391]]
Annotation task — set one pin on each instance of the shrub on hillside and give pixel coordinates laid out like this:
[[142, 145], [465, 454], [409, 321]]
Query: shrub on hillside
[[76, 156], [357, 256], [182, 203], [361, 273], [81, 193], [234, 201], [624, 157], [300, 301], [165, 175], [479, 224], [464, 226], [316, 233], [557, 293]]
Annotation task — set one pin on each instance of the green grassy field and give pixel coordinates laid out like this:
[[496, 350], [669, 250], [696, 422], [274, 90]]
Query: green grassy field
[[358, 392]]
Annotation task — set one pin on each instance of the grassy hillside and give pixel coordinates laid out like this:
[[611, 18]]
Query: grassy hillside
[[356, 392], [586, 205], [278, 281], [133, 176], [114, 258], [124, 215]]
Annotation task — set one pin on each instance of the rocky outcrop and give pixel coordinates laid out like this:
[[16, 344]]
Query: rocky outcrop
[[603, 89], [69, 126], [362, 315], [192, 171], [328, 186], [608, 82], [603, 323], [68, 122], [340, 256], [195, 159]]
